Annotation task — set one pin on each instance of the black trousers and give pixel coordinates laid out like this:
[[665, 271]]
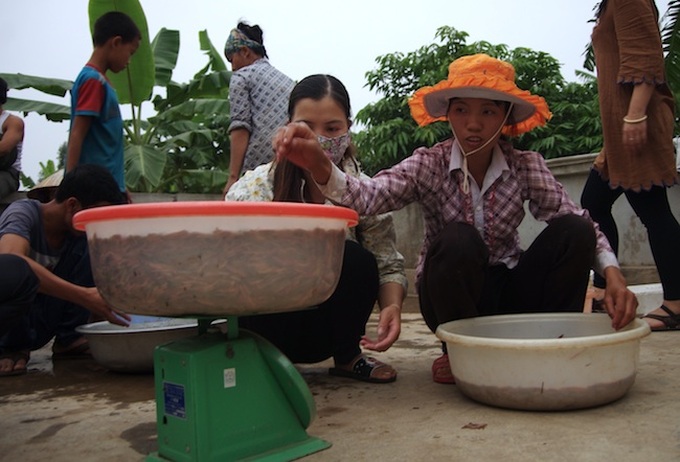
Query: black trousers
[[335, 327], [654, 211], [552, 274], [28, 319]]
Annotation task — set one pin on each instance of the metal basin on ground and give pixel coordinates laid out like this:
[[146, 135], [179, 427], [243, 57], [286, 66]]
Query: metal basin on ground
[[548, 361], [131, 349]]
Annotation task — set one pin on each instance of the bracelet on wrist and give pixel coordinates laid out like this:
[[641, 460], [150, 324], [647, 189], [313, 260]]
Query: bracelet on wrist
[[635, 121]]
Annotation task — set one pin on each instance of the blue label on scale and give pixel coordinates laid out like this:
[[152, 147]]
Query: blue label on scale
[[173, 400]]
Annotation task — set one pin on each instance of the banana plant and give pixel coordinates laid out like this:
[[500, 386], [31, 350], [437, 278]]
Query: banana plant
[[55, 87], [188, 129], [183, 146], [670, 36]]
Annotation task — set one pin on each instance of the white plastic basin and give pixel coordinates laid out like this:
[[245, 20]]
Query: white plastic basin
[[551, 361]]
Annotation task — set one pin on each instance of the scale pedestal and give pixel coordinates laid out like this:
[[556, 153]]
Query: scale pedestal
[[234, 396], [230, 397]]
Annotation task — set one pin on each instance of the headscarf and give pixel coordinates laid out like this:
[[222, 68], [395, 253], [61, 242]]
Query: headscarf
[[238, 40]]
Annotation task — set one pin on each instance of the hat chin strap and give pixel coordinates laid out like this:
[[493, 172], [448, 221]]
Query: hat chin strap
[[466, 180]]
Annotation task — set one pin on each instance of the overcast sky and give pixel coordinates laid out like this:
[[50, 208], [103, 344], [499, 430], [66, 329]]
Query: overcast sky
[[51, 39]]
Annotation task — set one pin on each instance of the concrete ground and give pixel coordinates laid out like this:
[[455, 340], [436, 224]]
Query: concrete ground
[[77, 410]]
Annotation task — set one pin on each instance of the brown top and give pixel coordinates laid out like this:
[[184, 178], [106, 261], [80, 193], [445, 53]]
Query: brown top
[[627, 46]]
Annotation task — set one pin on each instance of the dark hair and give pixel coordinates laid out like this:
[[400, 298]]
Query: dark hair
[[317, 87], [114, 24], [287, 176], [254, 33], [91, 185], [3, 91]]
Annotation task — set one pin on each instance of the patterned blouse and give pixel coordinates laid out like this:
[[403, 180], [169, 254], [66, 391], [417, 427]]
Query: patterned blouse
[[375, 233], [258, 98], [434, 178]]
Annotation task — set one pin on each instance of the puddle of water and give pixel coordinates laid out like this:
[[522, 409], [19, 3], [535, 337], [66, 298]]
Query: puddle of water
[[76, 377]]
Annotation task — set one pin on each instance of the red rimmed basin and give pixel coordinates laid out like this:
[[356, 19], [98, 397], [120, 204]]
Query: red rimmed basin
[[215, 258]]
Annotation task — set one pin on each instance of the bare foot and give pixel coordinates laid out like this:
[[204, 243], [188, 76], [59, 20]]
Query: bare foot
[[14, 363]]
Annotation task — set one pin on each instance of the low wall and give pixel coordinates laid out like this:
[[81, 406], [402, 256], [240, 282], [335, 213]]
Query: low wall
[[634, 253]]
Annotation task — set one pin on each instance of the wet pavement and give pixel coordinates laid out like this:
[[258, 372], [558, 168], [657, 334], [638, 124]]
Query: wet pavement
[[78, 410]]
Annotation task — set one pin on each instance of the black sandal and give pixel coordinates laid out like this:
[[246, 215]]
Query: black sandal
[[362, 369], [670, 322]]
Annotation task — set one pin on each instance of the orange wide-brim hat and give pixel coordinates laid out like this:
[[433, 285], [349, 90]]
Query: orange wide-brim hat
[[480, 76]]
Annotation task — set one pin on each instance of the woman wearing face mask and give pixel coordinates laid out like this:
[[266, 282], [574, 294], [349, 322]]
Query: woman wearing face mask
[[472, 189], [372, 267]]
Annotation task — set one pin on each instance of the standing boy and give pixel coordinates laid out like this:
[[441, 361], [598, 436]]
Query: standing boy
[[96, 133]]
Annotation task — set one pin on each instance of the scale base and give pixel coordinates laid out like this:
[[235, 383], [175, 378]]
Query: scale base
[[220, 398], [280, 454]]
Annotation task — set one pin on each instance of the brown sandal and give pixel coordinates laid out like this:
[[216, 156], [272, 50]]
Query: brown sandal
[[670, 322]]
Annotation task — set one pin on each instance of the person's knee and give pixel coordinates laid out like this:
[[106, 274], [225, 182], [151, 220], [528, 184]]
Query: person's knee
[[578, 231], [457, 242], [18, 289], [359, 262], [18, 282]]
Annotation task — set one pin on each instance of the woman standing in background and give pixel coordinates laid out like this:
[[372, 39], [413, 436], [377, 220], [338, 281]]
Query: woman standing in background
[[638, 157], [258, 98]]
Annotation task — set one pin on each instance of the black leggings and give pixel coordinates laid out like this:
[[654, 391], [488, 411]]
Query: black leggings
[[552, 274], [335, 327], [654, 211]]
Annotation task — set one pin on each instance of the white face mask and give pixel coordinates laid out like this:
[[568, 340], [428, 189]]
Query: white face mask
[[335, 148]]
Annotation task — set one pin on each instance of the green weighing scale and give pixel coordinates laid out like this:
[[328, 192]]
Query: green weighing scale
[[233, 396], [221, 396]]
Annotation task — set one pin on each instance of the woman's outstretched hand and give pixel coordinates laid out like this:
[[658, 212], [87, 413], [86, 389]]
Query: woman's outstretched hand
[[389, 328], [297, 143]]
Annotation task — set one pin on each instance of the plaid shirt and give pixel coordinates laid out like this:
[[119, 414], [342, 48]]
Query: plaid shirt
[[434, 178], [258, 101]]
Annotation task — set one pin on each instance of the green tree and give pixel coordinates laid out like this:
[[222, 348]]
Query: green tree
[[390, 134]]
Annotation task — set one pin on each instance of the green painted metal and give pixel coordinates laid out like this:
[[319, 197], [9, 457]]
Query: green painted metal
[[220, 398]]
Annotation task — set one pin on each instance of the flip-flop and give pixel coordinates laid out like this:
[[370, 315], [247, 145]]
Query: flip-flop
[[441, 370], [670, 322], [16, 356], [362, 369]]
